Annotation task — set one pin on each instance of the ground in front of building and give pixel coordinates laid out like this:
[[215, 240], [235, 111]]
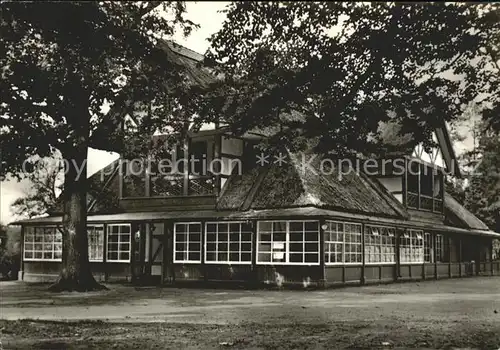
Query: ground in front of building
[[446, 314]]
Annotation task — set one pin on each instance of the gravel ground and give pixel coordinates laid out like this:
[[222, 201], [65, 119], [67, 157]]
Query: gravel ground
[[447, 314]]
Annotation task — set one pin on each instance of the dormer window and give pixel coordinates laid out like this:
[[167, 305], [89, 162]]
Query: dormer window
[[424, 187]]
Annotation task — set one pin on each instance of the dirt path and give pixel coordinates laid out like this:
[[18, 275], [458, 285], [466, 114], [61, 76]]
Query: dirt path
[[443, 314]]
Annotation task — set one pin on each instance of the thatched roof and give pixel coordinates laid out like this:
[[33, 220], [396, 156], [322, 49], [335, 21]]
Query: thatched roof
[[460, 216], [292, 185], [189, 60]]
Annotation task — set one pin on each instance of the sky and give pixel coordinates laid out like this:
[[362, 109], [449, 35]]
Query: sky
[[207, 15]]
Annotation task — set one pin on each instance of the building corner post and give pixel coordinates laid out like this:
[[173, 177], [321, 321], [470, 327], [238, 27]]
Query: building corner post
[[434, 253], [491, 256], [322, 280], [397, 272], [449, 255], [105, 252], [460, 256], [20, 273], [255, 276]]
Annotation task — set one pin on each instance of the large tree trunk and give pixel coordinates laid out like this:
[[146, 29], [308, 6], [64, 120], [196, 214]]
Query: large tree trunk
[[75, 273]]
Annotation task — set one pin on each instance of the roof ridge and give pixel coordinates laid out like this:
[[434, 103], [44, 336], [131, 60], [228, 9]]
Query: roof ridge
[[247, 202], [467, 211], [385, 194], [305, 186], [106, 184], [179, 48]]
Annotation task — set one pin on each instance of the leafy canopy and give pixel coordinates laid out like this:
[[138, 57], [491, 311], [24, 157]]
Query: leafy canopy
[[344, 65], [483, 193], [61, 62]]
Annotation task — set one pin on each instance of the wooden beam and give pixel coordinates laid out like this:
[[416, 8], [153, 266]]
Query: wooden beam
[[449, 256], [217, 164], [432, 189], [405, 185], [121, 173], [322, 253], [147, 180], [491, 255], [478, 258], [255, 275], [21, 268], [423, 264], [202, 252], [185, 186], [155, 255], [133, 247], [460, 256], [434, 253], [230, 156], [164, 260], [150, 247], [397, 272], [419, 204], [105, 252]]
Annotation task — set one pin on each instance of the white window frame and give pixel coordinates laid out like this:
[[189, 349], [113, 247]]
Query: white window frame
[[176, 261], [429, 238], [108, 230], [287, 244], [411, 234], [328, 242], [227, 262], [101, 226], [53, 243], [381, 245]]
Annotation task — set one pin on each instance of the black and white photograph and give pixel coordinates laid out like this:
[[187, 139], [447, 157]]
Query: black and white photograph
[[249, 175]]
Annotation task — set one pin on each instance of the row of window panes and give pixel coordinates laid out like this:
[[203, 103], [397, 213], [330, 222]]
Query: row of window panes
[[411, 247], [380, 244], [288, 242], [42, 243], [278, 242], [228, 242], [45, 243], [343, 243]]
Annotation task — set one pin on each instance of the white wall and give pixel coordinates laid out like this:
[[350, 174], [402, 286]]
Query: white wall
[[232, 146], [392, 184]]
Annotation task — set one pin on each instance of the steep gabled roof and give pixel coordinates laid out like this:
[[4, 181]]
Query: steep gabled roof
[[294, 184], [459, 215]]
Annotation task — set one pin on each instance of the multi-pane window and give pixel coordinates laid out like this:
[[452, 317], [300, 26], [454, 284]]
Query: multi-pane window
[[187, 242], [442, 248], [272, 241], [119, 241], [95, 237], [288, 242], [424, 187], [428, 253], [411, 247], [342, 243], [42, 243], [228, 242], [380, 244]]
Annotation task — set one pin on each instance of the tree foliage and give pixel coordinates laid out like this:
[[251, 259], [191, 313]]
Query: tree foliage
[[483, 193], [45, 177], [344, 65], [60, 63]]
